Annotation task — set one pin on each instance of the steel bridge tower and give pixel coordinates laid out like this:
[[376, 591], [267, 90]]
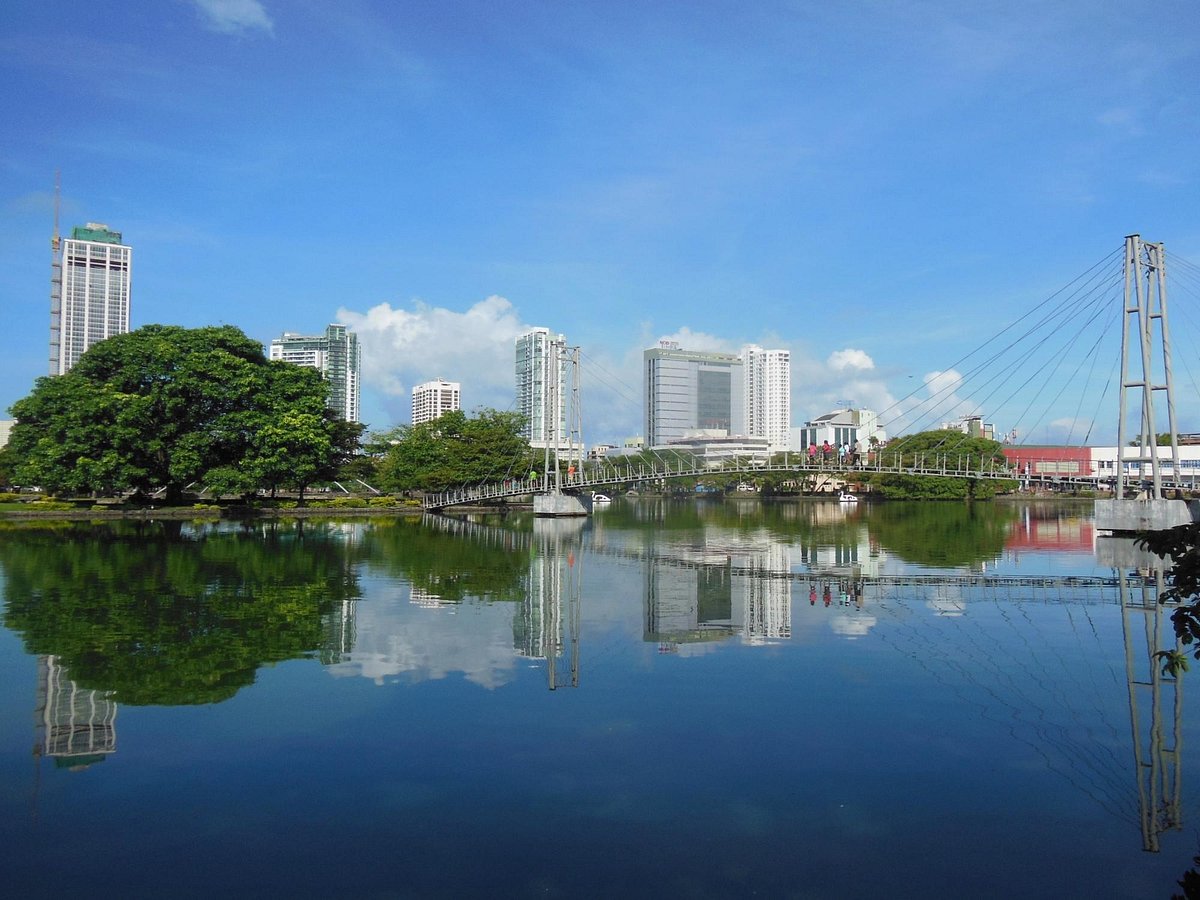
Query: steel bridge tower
[[1145, 371], [552, 501]]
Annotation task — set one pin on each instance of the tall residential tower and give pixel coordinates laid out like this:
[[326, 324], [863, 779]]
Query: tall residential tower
[[433, 398], [767, 395], [540, 376], [89, 292], [335, 354]]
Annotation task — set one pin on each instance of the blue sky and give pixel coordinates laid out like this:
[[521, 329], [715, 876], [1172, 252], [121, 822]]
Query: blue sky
[[876, 186]]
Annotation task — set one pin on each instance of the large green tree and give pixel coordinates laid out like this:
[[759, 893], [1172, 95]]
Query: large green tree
[[166, 407], [951, 449], [455, 449]]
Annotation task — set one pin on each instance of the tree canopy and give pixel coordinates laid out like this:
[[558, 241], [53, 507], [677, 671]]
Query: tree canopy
[[165, 407], [957, 449], [454, 449]]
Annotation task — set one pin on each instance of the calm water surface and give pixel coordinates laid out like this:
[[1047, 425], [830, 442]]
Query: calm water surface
[[671, 699]]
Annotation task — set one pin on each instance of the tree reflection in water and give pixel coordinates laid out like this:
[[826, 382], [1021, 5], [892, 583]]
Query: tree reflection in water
[[170, 613]]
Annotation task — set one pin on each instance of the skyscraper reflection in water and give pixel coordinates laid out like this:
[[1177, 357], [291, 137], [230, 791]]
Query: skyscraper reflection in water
[[76, 726]]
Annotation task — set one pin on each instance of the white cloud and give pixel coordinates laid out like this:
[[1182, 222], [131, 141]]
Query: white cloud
[[235, 16], [843, 360], [942, 384], [941, 403], [404, 347]]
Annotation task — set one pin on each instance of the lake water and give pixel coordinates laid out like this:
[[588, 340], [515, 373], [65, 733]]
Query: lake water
[[692, 699]]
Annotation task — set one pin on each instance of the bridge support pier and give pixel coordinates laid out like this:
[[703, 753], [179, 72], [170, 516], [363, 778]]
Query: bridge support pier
[[560, 505], [1151, 514]]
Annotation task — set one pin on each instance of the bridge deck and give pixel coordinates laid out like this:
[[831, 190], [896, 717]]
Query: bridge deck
[[605, 475]]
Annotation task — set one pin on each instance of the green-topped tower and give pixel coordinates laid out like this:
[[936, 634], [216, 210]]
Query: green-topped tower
[[89, 298]]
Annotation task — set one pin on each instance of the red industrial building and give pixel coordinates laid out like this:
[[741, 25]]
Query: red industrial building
[[1051, 461]]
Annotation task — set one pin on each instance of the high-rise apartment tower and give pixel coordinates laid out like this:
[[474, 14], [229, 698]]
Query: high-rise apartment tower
[[336, 355], [767, 395], [540, 376], [89, 292], [433, 398]]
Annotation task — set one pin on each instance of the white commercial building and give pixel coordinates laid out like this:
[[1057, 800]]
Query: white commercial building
[[89, 293], [767, 395], [434, 398], [335, 354], [715, 447], [852, 427], [541, 400], [690, 390]]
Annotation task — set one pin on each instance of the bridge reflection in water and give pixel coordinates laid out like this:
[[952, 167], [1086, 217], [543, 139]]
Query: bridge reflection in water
[[734, 586]]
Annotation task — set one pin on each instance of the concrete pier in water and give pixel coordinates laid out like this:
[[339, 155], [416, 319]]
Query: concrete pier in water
[[560, 505], [1144, 515]]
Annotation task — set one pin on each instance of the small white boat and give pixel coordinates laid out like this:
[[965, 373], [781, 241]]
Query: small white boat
[[601, 498], [846, 497]]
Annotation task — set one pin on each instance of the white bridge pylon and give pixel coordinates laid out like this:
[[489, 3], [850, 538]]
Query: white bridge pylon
[[1145, 374]]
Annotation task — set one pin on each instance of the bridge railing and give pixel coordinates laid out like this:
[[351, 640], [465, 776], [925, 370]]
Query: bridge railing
[[947, 465], [603, 474]]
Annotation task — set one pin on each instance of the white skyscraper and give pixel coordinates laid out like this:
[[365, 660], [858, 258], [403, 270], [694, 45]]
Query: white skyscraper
[[540, 368], [89, 293], [335, 354], [431, 399], [767, 395]]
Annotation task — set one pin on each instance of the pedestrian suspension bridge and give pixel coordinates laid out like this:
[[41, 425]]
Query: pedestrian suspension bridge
[[1147, 481]]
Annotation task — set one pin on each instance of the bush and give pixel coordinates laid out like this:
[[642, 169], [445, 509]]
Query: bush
[[345, 503]]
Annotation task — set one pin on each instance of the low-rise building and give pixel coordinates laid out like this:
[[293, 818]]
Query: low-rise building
[[974, 426], [716, 447], [855, 427]]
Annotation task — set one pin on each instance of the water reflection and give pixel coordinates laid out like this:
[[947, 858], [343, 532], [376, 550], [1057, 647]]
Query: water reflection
[[551, 605], [77, 727], [172, 613], [169, 615]]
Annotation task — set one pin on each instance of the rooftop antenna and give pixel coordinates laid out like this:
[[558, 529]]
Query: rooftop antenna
[[55, 240], [56, 282]]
